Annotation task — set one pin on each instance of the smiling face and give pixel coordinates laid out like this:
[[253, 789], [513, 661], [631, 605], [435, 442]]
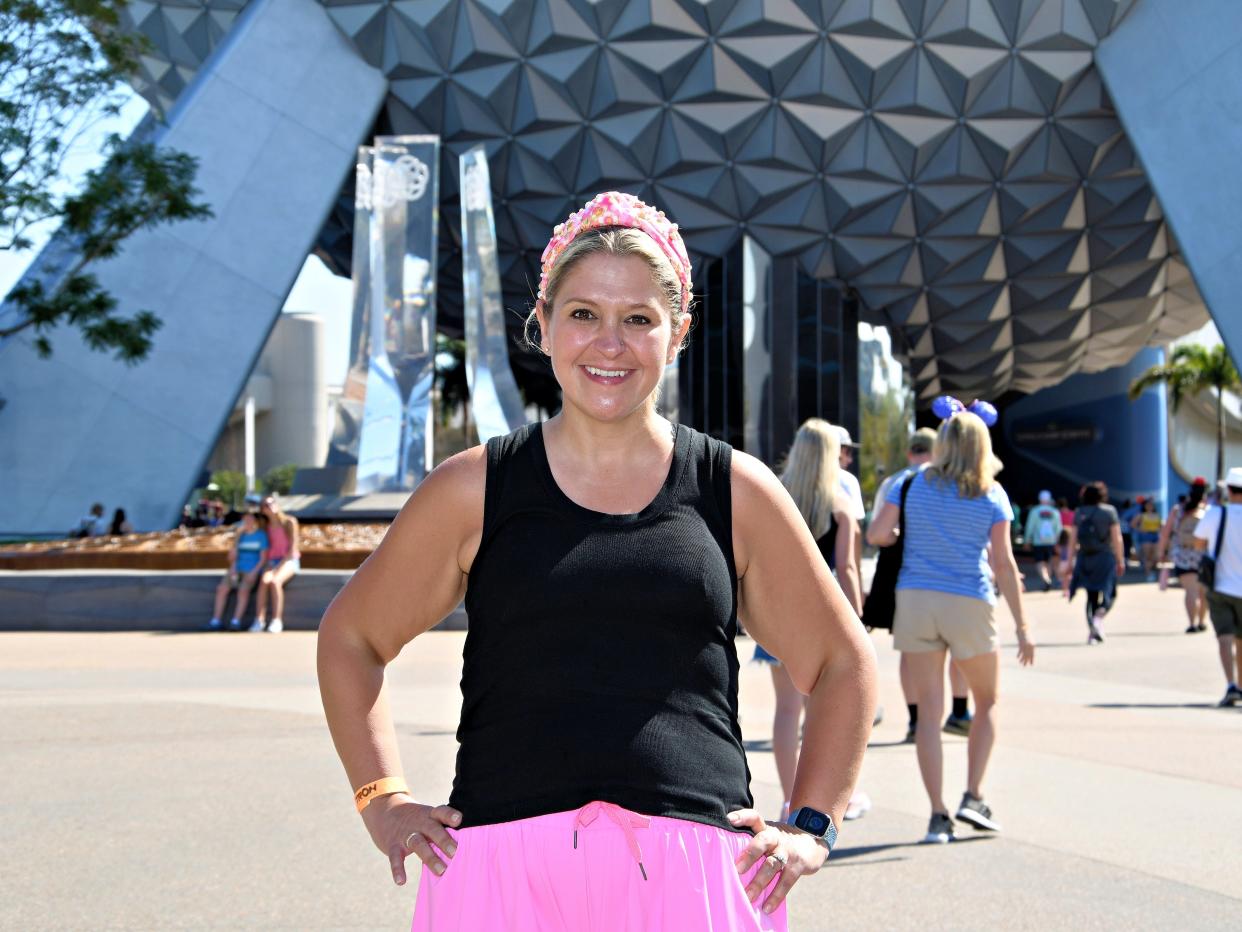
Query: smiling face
[[609, 334]]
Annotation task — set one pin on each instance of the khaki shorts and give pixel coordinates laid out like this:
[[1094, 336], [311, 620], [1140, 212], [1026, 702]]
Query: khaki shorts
[[926, 620]]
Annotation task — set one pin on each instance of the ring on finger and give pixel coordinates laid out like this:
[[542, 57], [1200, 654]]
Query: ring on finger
[[409, 836], [780, 859]]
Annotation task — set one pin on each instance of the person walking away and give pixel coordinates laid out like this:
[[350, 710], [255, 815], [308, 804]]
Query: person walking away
[[956, 511], [853, 489], [1127, 510], [284, 561], [1099, 562], [1225, 596], [1043, 529], [811, 474], [604, 556], [1178, 543], [1147, 525], [918, 455], [247, 557], [1066, 512]]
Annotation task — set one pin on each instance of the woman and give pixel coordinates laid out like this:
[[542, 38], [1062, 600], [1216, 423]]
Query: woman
[[811, 475], [120, 525], [601, 781], [1147, 525], [955, 512], [284, 561], [1177, 541], [247, 557], [1095, 536]]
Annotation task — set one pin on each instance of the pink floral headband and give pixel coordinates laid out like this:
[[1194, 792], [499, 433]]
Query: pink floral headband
[[616, 209]]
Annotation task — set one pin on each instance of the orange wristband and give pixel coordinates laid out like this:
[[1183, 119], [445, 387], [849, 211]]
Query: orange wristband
[[385, 786]]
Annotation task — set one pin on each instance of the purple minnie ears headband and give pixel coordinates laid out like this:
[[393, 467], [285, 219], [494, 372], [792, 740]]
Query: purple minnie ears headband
[[946, 406]]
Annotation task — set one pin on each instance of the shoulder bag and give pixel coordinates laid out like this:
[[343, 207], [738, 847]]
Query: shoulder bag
[[881, 602], [1207, 565]]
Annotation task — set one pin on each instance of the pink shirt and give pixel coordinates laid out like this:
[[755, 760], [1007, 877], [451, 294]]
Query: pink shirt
[[278, 542]]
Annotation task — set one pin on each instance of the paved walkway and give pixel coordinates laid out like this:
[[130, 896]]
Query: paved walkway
[[187, 781]]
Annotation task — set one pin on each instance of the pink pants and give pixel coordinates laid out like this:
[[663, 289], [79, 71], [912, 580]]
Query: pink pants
[[600, 868]]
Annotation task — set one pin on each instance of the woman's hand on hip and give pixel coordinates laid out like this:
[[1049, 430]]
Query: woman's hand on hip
[[774, 844], [401, 827]]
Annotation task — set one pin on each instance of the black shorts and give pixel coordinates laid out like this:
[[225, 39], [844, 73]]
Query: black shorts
[[1042, 552]]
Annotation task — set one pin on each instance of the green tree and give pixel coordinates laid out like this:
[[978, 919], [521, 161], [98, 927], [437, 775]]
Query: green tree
[[884, 434], [231, 485], [61, 66], [279, 479], [1191, 369]]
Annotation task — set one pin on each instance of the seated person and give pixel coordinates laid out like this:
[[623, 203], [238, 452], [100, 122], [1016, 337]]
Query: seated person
[[247, 557], [283, 563]]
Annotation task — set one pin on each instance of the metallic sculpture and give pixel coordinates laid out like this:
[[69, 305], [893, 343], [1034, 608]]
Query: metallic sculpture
[[958, 163], [757, 371], [495, 402], [394, 448], [349, 408]]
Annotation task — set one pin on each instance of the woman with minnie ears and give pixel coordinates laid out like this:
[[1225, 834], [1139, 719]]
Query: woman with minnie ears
[[604, 557], [957, 522]]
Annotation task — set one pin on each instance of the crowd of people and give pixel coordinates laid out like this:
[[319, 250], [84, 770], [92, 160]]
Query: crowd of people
[[959, 529], [1091, 547]]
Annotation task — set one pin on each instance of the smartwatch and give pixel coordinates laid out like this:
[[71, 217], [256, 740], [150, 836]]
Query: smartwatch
[[816, 823]]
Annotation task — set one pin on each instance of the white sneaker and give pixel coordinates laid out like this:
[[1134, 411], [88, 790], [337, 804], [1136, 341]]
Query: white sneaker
[[276, 626], [858, 806], [256, 626]]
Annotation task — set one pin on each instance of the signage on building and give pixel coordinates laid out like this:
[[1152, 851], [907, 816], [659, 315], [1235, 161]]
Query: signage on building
[[1055, 434]]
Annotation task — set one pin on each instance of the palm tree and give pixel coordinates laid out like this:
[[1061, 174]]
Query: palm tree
[[1191, 368]]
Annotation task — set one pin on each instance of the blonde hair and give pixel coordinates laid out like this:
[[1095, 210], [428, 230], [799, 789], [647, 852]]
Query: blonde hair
[[963, 455], [812, 471], [613, 241]]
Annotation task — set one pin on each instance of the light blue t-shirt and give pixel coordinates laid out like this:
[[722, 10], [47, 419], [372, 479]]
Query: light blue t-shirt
[[947, 537], [249, 548]]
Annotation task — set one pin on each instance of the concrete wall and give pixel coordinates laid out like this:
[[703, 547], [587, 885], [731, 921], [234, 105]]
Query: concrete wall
[[291, 400], [274, 117], [1174, 71], [120, 600]]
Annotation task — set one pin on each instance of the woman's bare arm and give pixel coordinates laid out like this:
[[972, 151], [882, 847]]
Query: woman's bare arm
[[845, 558], [1008, 581], [413, 580], [1119, 553], [883, 529], [797, 611]]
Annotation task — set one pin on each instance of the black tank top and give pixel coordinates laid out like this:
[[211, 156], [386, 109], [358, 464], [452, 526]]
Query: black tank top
[[599, 661]]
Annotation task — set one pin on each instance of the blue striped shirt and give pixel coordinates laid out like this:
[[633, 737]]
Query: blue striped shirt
[[947, 537]]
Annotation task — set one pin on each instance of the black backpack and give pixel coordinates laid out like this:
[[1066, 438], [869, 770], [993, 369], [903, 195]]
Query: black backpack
[[1092, 538]]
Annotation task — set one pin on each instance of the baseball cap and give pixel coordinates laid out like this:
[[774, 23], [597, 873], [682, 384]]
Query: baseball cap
[[922, 440], [1045, 497], [1234, 477], [1200, 481], [844, 435]]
